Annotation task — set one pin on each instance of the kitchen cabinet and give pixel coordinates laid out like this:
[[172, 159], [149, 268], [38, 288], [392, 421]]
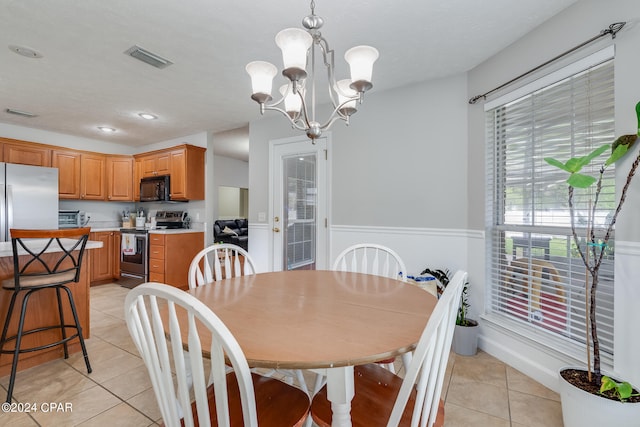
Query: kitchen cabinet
[[184, 163], [117, 248], [170, 256], [26, 154], [81, 176], [187, 173], [119, 178], [68, 164], [103, 260], [92, 177], [155, 164], [137, 175]]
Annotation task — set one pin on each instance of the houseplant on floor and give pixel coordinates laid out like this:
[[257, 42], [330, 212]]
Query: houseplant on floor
[[599, 391], [465, 336]]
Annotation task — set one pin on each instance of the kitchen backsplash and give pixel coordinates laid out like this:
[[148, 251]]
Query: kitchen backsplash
[[109, 214]]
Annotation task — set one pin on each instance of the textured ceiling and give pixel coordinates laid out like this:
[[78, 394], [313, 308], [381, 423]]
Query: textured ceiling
[[84, 80]]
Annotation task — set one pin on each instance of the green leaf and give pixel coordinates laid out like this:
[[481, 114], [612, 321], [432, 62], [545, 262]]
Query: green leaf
[[624, 390], [574, 164], [607, 384], [579, 180], [556, 163], [596, 153], [620, 151]]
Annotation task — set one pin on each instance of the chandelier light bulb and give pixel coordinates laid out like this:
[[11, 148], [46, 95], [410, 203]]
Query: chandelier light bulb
[[361, 59], [292, 101], [294, 44], [262, 74], [345, 94]]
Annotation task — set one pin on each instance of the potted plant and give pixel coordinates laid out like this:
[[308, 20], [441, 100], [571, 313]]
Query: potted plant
[[465, 336], [597, 390]]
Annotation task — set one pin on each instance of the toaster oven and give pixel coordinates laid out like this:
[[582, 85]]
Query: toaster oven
[[72, 219]]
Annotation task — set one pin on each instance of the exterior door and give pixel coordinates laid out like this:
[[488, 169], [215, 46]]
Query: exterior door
[[299, 204]]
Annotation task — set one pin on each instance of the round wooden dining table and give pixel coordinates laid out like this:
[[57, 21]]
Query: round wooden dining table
[[315, 319]]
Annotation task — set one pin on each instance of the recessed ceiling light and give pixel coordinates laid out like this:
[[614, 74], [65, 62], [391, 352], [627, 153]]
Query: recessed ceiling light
[[25, 51], [106, 129], [147, 116]]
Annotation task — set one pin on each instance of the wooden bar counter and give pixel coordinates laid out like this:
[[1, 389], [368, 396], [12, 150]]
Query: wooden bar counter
[[43, 311]]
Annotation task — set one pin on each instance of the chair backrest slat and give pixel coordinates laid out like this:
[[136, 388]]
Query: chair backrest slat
[[219, 261]]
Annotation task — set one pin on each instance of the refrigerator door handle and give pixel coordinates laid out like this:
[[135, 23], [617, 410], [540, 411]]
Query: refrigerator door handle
[[9, 210], [4, 230]]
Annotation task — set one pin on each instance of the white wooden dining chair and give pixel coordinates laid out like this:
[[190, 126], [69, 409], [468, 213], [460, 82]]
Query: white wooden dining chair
[[372, 258], [217, 262], [223, 261], [384, 399], [160, 317]]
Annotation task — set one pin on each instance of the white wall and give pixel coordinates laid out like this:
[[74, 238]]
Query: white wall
[[229, 172], [398, 175], [576, 24]]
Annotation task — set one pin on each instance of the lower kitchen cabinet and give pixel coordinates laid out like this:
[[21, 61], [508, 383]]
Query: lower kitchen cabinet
[[105, 261], [170, 255]]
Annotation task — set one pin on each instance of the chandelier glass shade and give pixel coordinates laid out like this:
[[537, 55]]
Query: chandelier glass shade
[[297, 100]]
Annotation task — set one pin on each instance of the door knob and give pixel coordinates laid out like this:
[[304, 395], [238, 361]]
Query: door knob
[[276, 229]]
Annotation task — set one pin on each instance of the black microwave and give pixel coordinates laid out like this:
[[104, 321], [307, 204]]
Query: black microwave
[[155, 189]]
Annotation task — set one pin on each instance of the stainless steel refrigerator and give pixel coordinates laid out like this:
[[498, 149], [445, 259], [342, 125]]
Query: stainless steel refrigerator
[[28, 198]]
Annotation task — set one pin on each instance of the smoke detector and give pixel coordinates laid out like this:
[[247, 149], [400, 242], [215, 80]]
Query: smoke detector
[[147, 57]]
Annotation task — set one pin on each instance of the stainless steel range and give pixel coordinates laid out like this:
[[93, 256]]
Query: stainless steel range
[[134, 258], [134, 253]]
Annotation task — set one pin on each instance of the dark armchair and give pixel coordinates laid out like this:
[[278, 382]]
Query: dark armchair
[[235, 231]]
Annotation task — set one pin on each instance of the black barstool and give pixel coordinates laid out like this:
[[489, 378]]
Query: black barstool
[[44, 259]]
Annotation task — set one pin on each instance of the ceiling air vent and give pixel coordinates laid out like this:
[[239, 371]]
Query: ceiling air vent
[[148, 57], [20, 113]]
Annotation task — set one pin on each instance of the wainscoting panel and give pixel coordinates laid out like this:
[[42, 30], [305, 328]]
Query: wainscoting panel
[[419, 248]]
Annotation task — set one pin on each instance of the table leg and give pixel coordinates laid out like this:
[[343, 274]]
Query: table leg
[[340, 391]]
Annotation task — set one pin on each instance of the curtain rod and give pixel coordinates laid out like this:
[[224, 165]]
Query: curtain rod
[[613, 29]]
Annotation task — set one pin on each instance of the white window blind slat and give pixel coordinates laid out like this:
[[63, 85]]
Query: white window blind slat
[[536, 277]]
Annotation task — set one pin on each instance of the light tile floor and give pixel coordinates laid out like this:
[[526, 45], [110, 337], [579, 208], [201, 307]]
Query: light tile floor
[[480, 391]]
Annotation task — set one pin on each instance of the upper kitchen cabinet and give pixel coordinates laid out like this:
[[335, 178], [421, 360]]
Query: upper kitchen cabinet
[[120, 178], [154, 164], [187, 173], [81, 175], [92, 177], [137, 175], [25, 153], [68, 164], [185, 165]]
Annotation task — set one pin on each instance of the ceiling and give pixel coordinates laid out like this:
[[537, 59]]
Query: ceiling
[[84, 80]]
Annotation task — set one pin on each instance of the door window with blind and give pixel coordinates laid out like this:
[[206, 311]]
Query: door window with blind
[[536, 277]]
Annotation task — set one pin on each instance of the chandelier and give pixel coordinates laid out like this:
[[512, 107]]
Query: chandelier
[[297, 99]]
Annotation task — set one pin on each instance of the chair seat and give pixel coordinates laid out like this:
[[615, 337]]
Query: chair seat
[[38, 280], [277, 404], [375, 394]]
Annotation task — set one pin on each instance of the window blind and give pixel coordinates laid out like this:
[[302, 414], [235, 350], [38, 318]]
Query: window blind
[[536, 277]]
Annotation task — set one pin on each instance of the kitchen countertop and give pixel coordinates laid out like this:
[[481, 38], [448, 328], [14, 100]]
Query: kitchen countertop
[[6, 250], [156, 231]]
